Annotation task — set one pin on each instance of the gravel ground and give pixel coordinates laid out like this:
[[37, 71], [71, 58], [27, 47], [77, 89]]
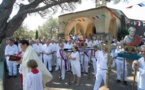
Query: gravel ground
[[86, 83]]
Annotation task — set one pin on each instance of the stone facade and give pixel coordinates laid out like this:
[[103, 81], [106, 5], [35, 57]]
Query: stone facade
[[84, 23]]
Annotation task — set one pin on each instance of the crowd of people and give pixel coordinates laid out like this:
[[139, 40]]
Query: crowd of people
[[73, 55]]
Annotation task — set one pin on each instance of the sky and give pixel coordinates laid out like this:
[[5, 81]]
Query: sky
[[136, 12]]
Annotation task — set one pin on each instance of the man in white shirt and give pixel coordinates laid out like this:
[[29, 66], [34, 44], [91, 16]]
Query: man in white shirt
[[38, 48], [47, 52], [11, 49], [94, 42], [120, 65], [101, 68], [97, 41], [89, 45], [69, 45]]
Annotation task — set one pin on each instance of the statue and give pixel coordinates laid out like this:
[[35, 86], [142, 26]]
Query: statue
[[131, 41], [81, 39]]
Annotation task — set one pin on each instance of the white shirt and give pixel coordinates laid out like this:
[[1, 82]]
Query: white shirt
[[102, 61], [11, 50], [94, 43], [58, 54], [116, 53], [69, 45], [57, 46], [141, 74], [54, 46], [97, 42], [65, 45], [19, 48], [33, 81], [77, 60], [47, 49], [96, 55], [37, 48], [89, 43]]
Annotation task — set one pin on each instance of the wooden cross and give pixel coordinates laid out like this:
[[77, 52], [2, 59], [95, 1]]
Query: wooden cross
[[110, 59]]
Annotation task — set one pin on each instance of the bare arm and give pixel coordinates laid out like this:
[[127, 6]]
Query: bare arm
[[72, 58]]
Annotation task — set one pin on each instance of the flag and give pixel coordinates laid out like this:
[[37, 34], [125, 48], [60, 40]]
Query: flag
[[83, 19], [135, 23], [93, 18], [98, 16], [141, 4], [129, 7], [104, 15], [139, 24], [111, 14], [131, 22]]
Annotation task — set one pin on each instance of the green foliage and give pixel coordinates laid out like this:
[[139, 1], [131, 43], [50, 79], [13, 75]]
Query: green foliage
[[36, 36], [23, 32], [122, 32], [60, 35], [49, 28]]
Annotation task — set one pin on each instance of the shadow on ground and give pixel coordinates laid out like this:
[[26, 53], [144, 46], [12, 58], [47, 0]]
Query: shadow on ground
[[86, 83]]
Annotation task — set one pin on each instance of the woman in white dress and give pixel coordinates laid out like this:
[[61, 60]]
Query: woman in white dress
[[75, 64]]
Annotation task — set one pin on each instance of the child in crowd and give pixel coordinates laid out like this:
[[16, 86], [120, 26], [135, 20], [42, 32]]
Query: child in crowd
[[33, 80]]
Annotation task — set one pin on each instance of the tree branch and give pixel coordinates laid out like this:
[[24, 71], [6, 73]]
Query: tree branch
[[32, 10], [5, 11]]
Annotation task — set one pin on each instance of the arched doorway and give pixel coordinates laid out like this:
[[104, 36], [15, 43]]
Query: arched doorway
[[94, 30], [81, 25], [91, 30], [112, 27]]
